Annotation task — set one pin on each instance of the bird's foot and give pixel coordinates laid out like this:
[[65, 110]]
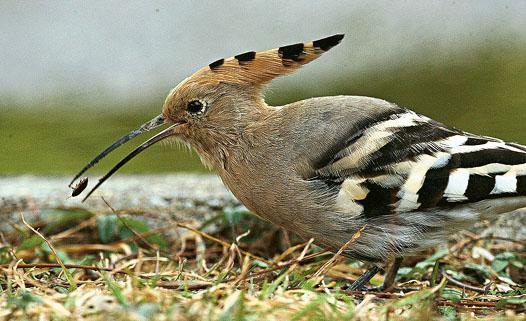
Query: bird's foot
[[387, 285], [353, 287], [360, 283], [379, 289]]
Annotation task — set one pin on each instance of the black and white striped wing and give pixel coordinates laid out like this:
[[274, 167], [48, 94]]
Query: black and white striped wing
[[409, 162]]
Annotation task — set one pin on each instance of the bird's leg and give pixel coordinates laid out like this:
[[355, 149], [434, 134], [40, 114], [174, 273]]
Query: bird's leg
[[364, 279], [391, 275], [389, 279]]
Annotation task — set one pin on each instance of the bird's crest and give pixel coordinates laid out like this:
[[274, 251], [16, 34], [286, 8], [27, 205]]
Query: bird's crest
[[257, 68]]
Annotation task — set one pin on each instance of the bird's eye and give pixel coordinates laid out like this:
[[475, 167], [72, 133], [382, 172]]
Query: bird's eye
[[196, 107]]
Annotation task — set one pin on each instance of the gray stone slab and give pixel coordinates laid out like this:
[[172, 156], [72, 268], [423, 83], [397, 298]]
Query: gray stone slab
[[167, 193], [184, 196]]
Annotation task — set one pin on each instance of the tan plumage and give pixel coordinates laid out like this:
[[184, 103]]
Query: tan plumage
[[325, 167]]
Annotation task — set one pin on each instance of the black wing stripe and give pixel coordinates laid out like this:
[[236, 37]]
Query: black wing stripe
[[475, 141], [521, 185], [337, 151], [432, 190], [479, 187], [479, 140], [409, 143], [379, 200], [488, 156]]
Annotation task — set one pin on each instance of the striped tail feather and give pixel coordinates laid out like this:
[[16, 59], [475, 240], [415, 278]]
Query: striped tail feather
[[486, 168], [485, 172], [257, 68]]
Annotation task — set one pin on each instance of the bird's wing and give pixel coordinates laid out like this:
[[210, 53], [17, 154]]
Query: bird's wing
[[409, 162]]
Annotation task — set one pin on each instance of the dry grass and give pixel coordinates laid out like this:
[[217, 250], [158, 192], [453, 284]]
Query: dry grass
[[114, 266]]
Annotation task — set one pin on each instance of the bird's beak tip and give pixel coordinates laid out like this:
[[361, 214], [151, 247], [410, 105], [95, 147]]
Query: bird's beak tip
[[155, 122]]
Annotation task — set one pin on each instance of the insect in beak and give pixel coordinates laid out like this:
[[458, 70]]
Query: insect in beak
[[77, 189], [154, 123]]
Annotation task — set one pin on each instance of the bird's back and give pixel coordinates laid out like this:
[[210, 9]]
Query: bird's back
[[358, 160]]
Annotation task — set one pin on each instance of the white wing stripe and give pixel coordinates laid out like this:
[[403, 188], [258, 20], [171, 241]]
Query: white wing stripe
[[505, 184], [441, 160], [457, 185], [489, 145], [490, 169], [350, 192], [404, 120], [453, 141], [408, 194], [375, 138]]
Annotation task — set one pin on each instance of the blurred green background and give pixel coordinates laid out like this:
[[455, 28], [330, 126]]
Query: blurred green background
[[478, 86]]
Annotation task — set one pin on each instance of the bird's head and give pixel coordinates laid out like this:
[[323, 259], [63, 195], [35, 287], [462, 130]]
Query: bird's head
[[214, 105], [210, 111]]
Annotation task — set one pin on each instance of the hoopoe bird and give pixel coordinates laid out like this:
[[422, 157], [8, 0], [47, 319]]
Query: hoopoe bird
[[326, 167]]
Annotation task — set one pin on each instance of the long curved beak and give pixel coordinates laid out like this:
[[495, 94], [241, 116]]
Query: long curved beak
[[155, 139], [151, 124]]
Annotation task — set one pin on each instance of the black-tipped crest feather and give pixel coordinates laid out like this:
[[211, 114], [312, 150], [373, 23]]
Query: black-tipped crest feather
[[216, 63], [327, 43], [293, 52], [247, 56]]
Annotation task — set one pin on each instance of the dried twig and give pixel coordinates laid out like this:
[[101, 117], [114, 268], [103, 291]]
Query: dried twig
[[69, 277], [137, 234], [331, 261], [475, 239], [302, 255], [224, 243], [74, 230], [465, 303], [182, 225], [56, 265], [462, 285]]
